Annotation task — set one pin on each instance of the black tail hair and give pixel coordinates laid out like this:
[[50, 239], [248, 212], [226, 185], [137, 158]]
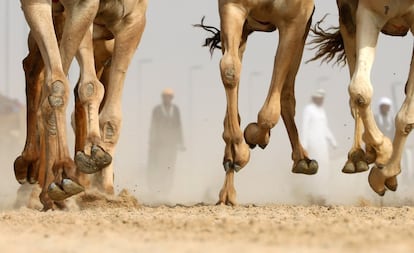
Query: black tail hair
[[329, 43], [213, 42]]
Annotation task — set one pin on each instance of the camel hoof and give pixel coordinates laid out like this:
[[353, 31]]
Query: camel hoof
[[56, 193], [348, 168], [376, 181], [98, 160], [309, 167], [20, 170], [392, 183], [356, 162], [71, 187], [361, 166], [253, 135], [230, 165]]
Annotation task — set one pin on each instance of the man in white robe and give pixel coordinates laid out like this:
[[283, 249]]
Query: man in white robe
[[317, 139]]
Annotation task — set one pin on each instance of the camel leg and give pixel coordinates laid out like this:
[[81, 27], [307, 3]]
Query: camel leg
[[60, 185], [236, 152], [301, 162], [102, 55], [285, 67], [25, 166], [358, 160], [90, 156], [361, 90], [110, 118], [404, 122]]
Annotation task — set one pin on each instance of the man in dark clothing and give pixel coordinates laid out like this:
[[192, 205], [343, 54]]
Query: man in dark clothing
[[164, 141]]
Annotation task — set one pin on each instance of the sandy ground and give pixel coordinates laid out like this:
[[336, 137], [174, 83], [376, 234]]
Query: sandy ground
[[96, 223]]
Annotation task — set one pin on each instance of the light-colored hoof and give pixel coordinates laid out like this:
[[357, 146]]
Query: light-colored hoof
[[98, 160], [56, 193], [376, 180], [307, 167], [71, 188]]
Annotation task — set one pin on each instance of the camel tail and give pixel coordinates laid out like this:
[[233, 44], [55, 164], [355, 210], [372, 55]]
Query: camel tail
[[328, 43], [213, 42]]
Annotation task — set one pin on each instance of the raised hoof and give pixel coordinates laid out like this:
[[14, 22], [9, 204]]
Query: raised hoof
[[307, 167], [392, 183], [56, 193], [71, 187], [98, 160], [350, 168], [376, 181], [254, 135]]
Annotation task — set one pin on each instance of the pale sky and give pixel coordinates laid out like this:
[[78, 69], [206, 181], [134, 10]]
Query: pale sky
[[170, 55]]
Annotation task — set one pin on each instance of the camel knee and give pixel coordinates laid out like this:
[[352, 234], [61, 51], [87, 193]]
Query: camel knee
[[230, 71], [402, 124], [360, 91], [90, 92]]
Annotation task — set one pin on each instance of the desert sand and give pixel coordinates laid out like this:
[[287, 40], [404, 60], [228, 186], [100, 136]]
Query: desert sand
[[98, 223]]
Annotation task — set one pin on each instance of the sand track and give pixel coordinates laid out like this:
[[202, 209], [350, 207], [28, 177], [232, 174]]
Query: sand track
[[119, 224]]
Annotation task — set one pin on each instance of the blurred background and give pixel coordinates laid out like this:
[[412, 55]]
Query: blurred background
[[170, 55]]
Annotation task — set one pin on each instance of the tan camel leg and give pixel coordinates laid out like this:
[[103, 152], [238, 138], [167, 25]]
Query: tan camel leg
[[301, 162], [110, 119], [360, 90], [287, 56], [404, 122], [357, 158], [90, 157], [236, 152]]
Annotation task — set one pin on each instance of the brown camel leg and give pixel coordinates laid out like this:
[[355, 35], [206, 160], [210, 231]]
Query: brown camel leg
[[53, 103], [301, 162], [25, 166], [285, 67], [236, 153]]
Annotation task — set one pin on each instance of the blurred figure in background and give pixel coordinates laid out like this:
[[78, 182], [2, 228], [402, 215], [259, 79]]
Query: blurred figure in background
[[165, 139], [384, 118], [317, 139]]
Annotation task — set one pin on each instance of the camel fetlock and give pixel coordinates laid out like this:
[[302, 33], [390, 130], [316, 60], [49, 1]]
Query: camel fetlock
[[57, 95], [91, 92]]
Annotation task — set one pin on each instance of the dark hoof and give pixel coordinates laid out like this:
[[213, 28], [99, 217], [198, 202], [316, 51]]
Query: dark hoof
[[98, 160], [391, 183], [230, 165], [263, 146], [56, 193], [251, 146], [71, 187], [20, 170], [307, 167]]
